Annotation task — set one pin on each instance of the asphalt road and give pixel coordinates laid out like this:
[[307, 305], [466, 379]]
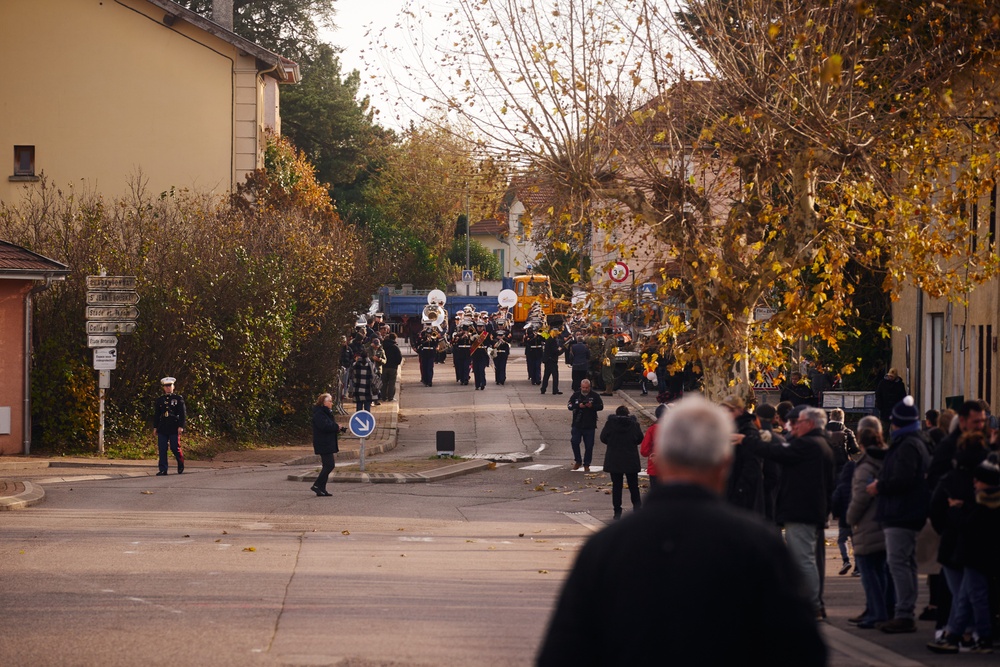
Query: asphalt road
[[241, 566]]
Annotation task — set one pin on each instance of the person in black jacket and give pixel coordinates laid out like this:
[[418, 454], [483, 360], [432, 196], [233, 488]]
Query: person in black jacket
[[797, 392], [745, 487], [534, 346], [803, 492], [325, 431], [901, 507], [551, 356], [622, 435], [390, 370], [689, 580], [501, 352], [585, 404], [888, 393]]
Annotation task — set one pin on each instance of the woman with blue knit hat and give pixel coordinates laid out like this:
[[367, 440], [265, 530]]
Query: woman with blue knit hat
[[902, 505]]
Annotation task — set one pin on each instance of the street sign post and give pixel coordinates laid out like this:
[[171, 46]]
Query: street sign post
[[102, 341], [110, 327], [111, 298], [110, 310], [112, 282], [619, 272], [362, 424], [105, 358], [112, 313]]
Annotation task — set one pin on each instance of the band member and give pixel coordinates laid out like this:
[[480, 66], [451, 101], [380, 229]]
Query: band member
[[551, 356], [480, 356], [501, 351], [462, 350], [533, 348], [427, 351]]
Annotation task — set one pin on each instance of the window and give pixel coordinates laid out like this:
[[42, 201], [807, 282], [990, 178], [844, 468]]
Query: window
[[24, 160]]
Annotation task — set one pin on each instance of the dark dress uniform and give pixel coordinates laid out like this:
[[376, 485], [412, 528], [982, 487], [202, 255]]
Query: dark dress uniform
[[480, 360], [533, 347], [460, 348], [427, 350], [552, 353], [502, 352], [169, 415]]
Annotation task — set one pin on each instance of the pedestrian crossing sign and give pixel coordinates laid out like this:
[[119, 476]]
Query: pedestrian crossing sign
[[467, 276]]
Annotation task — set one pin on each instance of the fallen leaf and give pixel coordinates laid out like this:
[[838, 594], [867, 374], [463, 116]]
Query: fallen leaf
[[225, 533], [491, 548], [249, 548], [218, 540], [400, 529], [543, 572], [147, 493], [520, 534], [187, 536], [345, 532], [402, 555]]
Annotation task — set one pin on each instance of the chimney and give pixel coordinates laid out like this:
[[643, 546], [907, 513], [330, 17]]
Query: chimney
[[222, 13]]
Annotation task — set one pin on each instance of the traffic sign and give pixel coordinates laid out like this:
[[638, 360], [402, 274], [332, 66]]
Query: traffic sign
[[647, 290], [102, 341], [468, 276], [112, 312], [120, 327], [362, 423], [112, 282], [105, 358], [619, 272], [112, 298]]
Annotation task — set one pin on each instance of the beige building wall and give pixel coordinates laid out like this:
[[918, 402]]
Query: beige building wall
[[952, 348], [12, 293], [105, 90]]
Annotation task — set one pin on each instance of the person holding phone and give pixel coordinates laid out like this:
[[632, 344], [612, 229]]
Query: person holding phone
[[325, 431]]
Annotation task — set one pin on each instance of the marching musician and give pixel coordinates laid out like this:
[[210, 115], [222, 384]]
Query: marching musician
[[427, 351], [480, 355], [551, 355], [462, 351], [501, 351], [533, 347]]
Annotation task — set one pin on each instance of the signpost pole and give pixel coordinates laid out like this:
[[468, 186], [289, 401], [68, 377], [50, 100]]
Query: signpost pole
[[361, 456], [100, 429]]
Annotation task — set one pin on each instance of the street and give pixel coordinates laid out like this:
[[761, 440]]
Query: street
[[240, 565]]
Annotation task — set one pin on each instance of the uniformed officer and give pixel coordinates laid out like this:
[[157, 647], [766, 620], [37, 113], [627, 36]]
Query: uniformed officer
[[169, 420]]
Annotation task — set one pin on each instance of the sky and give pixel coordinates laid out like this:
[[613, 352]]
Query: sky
[[355, 18]]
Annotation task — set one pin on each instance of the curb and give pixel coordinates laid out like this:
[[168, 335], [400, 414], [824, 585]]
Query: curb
[[636, 406], [32, 494], [435, 475]]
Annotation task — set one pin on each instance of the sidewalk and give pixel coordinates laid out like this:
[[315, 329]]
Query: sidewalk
[[16, 493]]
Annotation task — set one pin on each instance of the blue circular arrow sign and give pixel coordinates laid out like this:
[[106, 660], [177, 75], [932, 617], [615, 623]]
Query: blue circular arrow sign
[[362, 423]]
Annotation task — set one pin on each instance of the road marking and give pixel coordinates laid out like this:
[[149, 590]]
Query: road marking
[[865, 652], [541, 466], [585, 520]]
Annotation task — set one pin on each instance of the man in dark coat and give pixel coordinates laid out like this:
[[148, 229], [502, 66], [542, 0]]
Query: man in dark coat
[[534, 346], [585, 404], [797, 392], [745, 487], [803, 492], [689, 580], [622, 434], [888, 392], [390, 370], [169, 421], [903, 501], [579, 358]]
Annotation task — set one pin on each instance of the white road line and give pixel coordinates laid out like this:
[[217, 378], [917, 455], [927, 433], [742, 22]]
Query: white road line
[[586, 520], [865, 652]]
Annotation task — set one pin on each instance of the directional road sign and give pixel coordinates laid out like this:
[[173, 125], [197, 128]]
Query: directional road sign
[[122, 327], [112, 282], [112, 312], [362, 423], [105, 340], [105, 358], [111, 298]]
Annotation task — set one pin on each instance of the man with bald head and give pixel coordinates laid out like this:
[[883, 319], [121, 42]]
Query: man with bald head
[[689, 579]]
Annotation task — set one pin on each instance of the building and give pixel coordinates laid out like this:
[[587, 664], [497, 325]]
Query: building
[[181, 102], [22, 275]]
